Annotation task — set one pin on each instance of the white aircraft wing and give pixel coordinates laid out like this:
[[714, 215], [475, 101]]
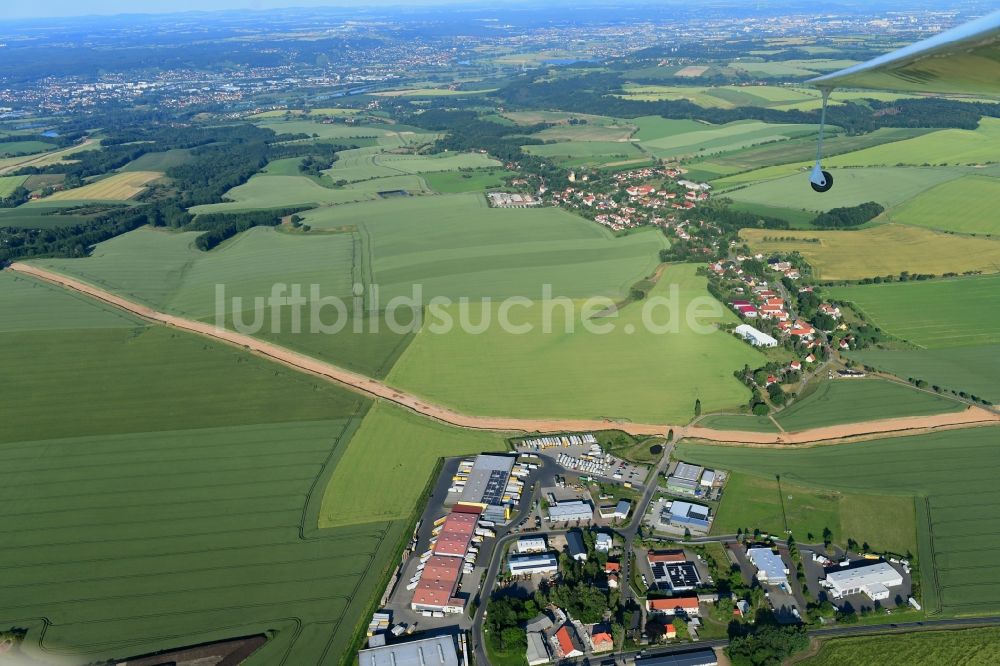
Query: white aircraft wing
[[965, 59]]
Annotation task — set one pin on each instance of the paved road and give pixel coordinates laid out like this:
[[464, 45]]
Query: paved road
[[973, 416]]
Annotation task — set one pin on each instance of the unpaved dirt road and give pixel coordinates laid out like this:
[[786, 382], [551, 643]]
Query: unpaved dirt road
[[971, 417]]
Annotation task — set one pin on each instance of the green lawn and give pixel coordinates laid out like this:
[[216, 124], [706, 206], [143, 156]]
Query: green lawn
[[965, 205], [951, 473], [849, 400], [969, 647], [974, 370], [752, 502], [378, 477], [932, 313], [638, 375]]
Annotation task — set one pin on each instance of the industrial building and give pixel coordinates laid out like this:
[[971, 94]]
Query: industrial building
[[437, 651], [577, 549], [541, 563], [676, 576], [873, 580], [489, 483], [438, 585], [703, 657], [687, 515], [564, 512], [755, 337], [684, 478], [532, 545], [771, 568], [456, 532], [618, 512]]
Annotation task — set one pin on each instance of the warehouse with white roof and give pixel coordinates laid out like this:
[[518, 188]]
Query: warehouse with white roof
[[771, 568], [755, 337], [873, 580]]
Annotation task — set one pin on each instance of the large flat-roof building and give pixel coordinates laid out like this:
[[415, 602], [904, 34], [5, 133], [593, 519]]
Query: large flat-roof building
[[703, 657], [487, 484], [755, 337], [771, 568], [532, 544], [676, 576], [438, 584], [687, 515], [437, 651], [873, 580], [541, 563], [457, 530], [564, 512], [684, 478]]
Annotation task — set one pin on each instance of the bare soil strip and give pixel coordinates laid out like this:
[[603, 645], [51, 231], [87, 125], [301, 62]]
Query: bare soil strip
[[973, 416]]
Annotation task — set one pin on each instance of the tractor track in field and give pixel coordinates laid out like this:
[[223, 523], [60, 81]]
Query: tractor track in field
[[970, 417]]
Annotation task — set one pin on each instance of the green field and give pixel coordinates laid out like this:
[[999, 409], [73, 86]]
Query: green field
[[887, 186], [932, 313], [10, 183], [587, 132], [368, 163], [738, 422], [958, 506], [885, 522], [588, 153], [965, 205], [886, 249], [456, 182], [16, 148], [975, 370], [848, 400], [641, 376], [408, 447], [159, 161], [712, 139], [968, 647]]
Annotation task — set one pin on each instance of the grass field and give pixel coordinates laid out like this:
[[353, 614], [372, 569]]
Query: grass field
[[409, 446], [430, 92], [10, 183], [367, 163], [738, 422], [886, 522], [886, 249], [711, 139], [159, 161], [969, 647], [641, 375], [586, 153], [887, 186], [934, 313], [965, 205], [587, 132], [722, 97], [456, 182], [17, 148], [37, 217], [958, 507], [848, 400], [118, 187], [975, 370], [9, 164]]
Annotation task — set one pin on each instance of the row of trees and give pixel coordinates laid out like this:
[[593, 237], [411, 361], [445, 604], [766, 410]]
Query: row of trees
[[849, 216]]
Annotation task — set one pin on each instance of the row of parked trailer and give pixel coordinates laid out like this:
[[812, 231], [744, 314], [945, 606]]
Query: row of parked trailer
[[558, 440]]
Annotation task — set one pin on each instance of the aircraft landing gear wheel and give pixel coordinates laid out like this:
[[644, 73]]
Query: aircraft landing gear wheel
[[825, 185]]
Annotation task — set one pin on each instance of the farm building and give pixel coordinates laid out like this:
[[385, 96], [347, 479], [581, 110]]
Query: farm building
[[532, 545], [771, 568], [564, 512], [437, 651], [873, 580], [687, 515], [577, 549], [703, 657], [672, 606], [542, 563], [536, 652], [755, 337]]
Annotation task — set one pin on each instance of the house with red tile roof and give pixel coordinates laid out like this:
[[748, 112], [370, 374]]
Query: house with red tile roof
[[672, 606], [566, 643]]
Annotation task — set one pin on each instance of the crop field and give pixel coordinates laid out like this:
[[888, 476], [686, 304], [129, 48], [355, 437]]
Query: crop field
[[16, 148], [119, 187], [410, 164], [848, 400], [409, 445], [970, 647], [887, 186], [966, 205], [745, 162], [333, 133], [9, 164], [431, 92], [722, 97], [974, 370], [455, 182], [158, 507], [535, 117], [713, 139], [587, 153], [886, 249], [652, 128], [738, 422], [587, 132], [159, 161], [886, 522], [10, 183], [38, 217], [629, 372], [958, 506], [932, 313], [456, 246]]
